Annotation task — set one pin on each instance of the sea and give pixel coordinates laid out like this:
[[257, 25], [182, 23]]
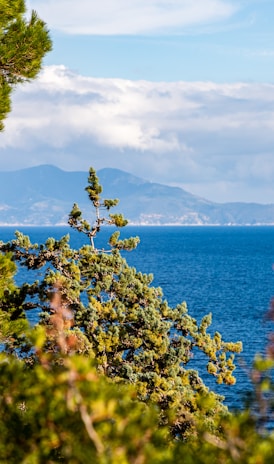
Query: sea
[[226, 271]]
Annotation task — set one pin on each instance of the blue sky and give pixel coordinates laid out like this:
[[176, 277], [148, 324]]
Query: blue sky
[[176, 91], [234, 44]]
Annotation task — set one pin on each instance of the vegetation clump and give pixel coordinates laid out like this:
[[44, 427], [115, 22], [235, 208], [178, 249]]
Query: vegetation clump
[[23, 44], [124, 323]]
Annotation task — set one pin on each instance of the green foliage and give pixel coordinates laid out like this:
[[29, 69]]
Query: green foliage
[[240, 443], [262, 376], [104, 377], [94, 190], [62, 410], [5, 103], [13, 323], [133, 334], [23, 44], [247, 436]]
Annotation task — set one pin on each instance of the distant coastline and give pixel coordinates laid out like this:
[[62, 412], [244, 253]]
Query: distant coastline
[[136, 224], [44, 196]]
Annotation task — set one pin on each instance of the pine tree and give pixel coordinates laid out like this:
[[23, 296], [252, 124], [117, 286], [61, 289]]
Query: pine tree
[[23, 44], [13, 322], [123, 321]]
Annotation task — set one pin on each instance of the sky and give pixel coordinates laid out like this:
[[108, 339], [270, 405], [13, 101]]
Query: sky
[[179, 92]]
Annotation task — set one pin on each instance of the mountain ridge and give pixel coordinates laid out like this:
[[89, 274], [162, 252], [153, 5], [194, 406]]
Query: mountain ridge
[[44, 195]]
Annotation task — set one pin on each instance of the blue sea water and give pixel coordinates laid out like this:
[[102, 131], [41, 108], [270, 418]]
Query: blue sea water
[[227, 271]]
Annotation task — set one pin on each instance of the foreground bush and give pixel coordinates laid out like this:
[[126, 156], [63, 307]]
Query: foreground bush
[[62, 410]]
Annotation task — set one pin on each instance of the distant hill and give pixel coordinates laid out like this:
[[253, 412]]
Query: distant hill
[[44, 195]]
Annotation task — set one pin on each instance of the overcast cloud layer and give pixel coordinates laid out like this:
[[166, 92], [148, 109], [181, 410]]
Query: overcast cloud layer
[[108, 17], [212, 139]]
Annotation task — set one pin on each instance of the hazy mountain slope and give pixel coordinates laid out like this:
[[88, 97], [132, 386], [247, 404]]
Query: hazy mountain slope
[[39, 183], [39, 195], [45, 195]]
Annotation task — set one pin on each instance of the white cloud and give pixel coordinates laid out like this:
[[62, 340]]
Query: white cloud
[[207, 135], [62, 106], [107, 17]]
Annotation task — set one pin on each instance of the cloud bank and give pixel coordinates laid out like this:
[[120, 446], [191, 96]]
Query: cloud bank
[[216, 140], [112, 17]]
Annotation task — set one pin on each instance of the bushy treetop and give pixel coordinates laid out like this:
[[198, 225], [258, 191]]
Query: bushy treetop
[[23, 44]]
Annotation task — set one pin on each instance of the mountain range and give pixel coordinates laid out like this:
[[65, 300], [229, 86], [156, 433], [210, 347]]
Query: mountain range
[[44, 195]]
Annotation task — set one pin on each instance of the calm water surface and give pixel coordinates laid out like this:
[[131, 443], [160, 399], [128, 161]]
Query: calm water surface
[[227, 271]]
